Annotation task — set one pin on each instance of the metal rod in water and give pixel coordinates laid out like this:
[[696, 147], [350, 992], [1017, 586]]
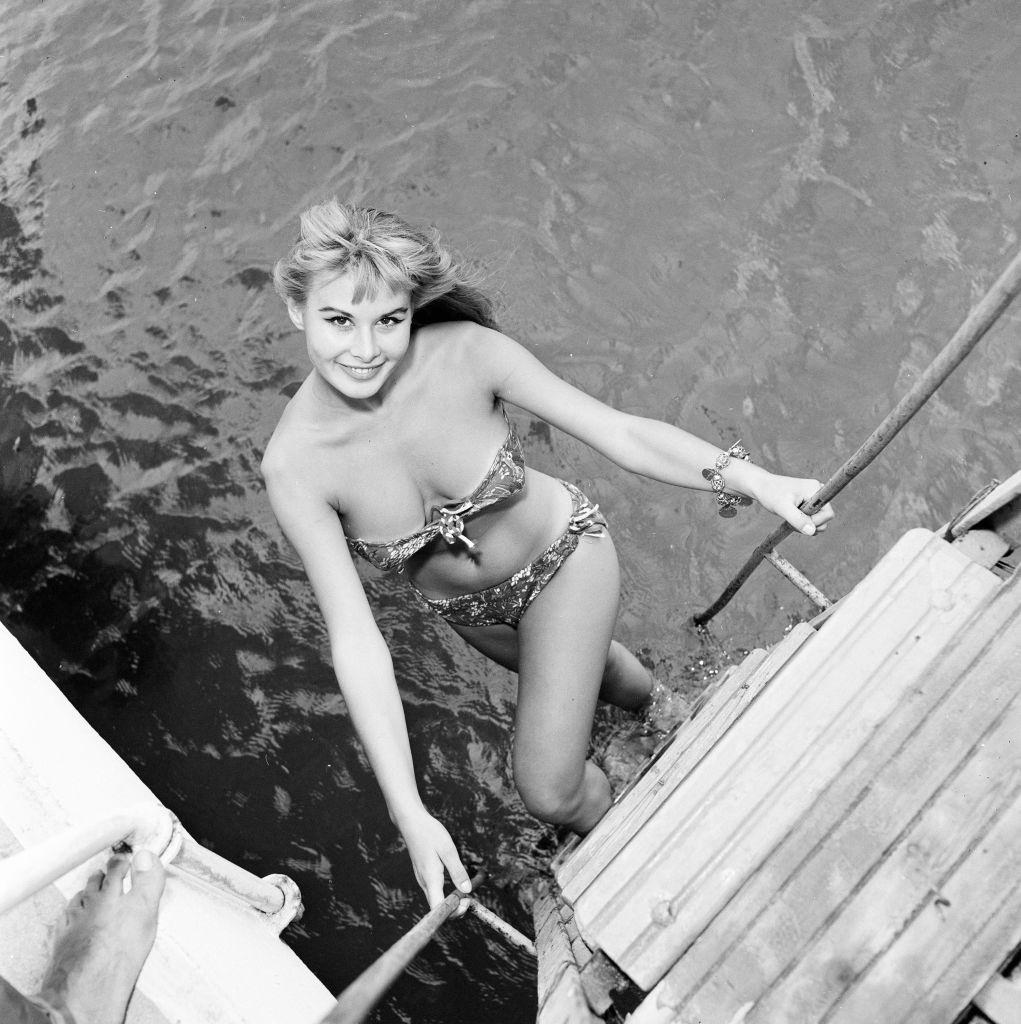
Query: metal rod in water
[[1003, 291], [511, 934], [799, 579], [358, 1000]]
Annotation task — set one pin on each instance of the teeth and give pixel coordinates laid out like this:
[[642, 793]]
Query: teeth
[[362, 371]]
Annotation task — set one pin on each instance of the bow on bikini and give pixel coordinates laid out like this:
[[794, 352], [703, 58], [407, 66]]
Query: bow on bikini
[[451, 525]]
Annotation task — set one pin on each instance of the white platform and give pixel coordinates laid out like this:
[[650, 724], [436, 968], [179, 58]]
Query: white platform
[[216, 960]]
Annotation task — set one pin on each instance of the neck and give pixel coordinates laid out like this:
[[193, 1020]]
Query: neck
[[326, 396]]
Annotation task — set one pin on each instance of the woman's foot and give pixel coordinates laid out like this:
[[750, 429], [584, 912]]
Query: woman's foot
[[107, 936], [664, 708]]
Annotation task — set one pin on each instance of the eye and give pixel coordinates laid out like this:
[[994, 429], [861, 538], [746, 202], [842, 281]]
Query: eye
[[338, 321], [390, 321]]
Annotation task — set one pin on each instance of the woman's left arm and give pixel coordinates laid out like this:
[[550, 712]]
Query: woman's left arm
[[650, 447]]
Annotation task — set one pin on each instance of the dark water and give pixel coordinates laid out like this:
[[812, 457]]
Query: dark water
[[755, 218]]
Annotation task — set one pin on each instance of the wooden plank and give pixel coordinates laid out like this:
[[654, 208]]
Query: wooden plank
[[870, 801], [704, 840], [715, 779], [560, 994], [950, 949], [1000, 1000], [566, 1003], [982, 546], [1000, 495], [672, 763], [915, 879], [600, 843], [553, 950], [849, 902]]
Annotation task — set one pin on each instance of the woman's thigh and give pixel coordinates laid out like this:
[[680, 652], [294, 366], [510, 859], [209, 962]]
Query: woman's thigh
[[563, 641], [499, 643]]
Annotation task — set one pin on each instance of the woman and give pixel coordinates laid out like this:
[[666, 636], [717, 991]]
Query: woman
[[400, 432]]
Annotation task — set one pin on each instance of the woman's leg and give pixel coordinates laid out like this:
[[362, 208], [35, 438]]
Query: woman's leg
[[626, 682], [563, 645]]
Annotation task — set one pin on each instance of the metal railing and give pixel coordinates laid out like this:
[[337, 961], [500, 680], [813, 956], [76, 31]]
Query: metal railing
[[979, 320], [362, 996], [149, 826]]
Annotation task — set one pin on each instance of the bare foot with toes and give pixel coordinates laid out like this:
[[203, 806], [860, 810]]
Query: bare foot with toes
[[107, 936]]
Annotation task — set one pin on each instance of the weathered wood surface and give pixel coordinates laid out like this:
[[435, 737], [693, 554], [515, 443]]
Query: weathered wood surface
[[561, 996], [897, 894], [699, 845], [688, 744], [1000, 1000], [1001, 495]]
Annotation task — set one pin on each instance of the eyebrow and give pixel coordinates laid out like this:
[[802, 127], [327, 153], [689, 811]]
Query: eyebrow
[[342, 312]]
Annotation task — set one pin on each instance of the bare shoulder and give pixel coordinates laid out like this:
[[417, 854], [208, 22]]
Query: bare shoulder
[[469, 345], [282, 457], [292, 463], [450, 337]]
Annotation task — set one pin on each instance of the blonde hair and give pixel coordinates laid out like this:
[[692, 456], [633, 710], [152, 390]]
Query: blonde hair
[[381, 251]]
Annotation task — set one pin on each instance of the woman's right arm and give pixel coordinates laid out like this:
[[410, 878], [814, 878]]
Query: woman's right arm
[[364, 671]]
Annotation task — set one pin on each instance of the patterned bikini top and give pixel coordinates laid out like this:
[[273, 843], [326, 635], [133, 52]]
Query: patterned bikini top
[[505, 477]]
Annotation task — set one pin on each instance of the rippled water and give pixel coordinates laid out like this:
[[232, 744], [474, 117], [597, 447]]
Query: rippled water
[[755, 218]]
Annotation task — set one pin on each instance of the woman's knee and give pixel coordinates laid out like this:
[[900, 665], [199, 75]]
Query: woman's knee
[[554, 800]]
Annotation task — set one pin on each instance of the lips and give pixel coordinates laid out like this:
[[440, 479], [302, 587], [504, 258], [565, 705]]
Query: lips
[[361, 372]]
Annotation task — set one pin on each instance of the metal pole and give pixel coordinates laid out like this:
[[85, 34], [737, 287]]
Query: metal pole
[[799, 579], [512, 935], [358, 1000], [968, 335], [145, 824]]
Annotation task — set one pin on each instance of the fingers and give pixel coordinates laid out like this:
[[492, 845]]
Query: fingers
[[819, 520], [456, 870], [432, 884], [802, 523], [432, 853], [458, 875], [816, 523], [823, 516], [431, 876]]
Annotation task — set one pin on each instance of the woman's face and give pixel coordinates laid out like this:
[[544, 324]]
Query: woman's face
[[354, 346]]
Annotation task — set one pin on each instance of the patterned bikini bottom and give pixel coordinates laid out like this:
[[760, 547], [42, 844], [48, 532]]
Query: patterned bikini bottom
[[505, 603]]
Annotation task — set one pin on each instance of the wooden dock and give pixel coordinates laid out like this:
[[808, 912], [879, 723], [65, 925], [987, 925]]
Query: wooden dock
[[835, 833]]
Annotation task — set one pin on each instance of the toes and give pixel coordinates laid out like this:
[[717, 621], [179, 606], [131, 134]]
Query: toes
[[116, 871], [147, 877]]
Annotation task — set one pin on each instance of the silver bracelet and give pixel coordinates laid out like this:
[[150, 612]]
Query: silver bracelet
[[727, 500]]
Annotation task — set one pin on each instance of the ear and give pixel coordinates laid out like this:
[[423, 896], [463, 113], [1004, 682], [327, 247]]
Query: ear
[[297, 315]]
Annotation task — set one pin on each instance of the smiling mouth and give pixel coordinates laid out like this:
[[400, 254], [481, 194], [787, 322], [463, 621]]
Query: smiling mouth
[[361, 372]]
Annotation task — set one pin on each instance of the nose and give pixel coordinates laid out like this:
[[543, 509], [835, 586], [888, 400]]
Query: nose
[[364, 346]]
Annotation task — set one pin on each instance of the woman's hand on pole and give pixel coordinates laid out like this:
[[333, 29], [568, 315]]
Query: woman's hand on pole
[[783, 494], [433, 854]]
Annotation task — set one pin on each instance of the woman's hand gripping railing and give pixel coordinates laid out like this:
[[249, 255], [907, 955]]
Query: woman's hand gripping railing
[[359, 999], [1003, 291]]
